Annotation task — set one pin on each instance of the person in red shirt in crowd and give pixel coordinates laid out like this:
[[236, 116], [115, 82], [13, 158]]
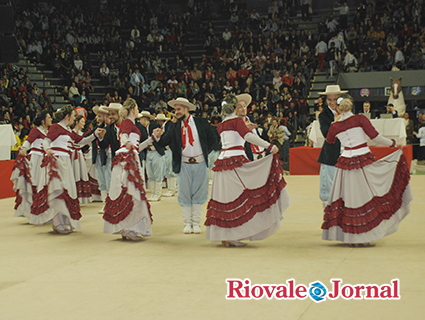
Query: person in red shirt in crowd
[[243, 72], [287, 80], [231, 75]]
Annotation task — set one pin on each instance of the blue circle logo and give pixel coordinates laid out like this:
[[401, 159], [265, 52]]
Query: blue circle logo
[[317, 291]]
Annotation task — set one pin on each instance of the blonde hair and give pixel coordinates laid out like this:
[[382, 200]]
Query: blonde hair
[[128, 104], [229, 104], [346, 105]]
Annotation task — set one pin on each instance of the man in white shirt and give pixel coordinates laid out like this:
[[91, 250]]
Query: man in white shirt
[[190, 140]]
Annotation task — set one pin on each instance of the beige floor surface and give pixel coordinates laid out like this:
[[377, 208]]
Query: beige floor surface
[[92, 275]]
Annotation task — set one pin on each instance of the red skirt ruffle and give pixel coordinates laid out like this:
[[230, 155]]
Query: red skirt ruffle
[[230, 163], [249, 203], [117, 210], [94, 186], [355, 162], [83, 189], [21, 164], [371, 214]]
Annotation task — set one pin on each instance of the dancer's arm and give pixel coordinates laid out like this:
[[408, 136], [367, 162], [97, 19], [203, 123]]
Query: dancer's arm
[[254, 139]]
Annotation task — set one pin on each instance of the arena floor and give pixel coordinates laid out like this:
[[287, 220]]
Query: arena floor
[[92, 275]]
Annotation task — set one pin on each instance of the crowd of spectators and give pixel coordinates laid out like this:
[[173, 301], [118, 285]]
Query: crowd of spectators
[[141, 50], [381, 36]]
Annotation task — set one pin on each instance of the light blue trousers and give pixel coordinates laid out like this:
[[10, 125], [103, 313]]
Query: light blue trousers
[[192, 183], [103, 173], [155, 166], [327, 174]]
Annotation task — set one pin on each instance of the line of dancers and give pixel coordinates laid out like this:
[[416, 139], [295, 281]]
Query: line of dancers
[[364, 199]]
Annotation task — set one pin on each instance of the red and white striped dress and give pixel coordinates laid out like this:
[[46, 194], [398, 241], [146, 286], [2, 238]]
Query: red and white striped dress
[[247, 198], [369, 197], [126, 205]]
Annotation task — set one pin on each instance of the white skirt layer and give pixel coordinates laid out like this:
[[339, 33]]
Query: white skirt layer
[[55, 188], [80, 174], [358, 187], [138, 220], [230, 185]]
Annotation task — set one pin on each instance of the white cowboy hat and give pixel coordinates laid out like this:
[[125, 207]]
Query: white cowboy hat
[[96, 109], [333, 89], [244, 97], [162, 116], [103, 109], [146, 114], [182, 101], [114, 106]]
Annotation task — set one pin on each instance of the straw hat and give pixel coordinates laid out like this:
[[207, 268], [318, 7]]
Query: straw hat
[[96, 109], [114, 106], [244, 97], [162, 117], [182, 101], [146, 114], [333, 89]]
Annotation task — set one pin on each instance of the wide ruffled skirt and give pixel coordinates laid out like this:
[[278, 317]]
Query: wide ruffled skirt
[[368, 203], [56, 192], [247, 199], [22, 185], [126, 205], [81, 178]]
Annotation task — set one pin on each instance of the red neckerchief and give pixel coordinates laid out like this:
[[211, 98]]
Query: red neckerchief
[[186, 127]]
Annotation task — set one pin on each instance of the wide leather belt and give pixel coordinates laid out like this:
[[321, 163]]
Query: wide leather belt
[[193, 160]]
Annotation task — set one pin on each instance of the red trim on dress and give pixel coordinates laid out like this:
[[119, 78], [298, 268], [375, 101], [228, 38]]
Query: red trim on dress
[[235, 124], [250, 202], [357, 162], [117, 210], [230, 163], [371, 214]]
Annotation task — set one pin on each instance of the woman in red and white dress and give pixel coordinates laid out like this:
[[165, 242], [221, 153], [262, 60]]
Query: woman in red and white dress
[[57, 200], [369, 197], [79, 166], [27, 170], [247, 198], [127, 212]]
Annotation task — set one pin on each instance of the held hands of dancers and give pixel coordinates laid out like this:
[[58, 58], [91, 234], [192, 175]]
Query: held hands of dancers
[[22, 152], [158, 132], [275, 149], [100, 133]]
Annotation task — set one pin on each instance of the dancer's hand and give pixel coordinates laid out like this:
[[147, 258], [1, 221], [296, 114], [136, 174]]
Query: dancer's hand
[[337, 117], [23, 152], [50, 152], [399, 144], [128, 145], [158, 132], [275, 149]]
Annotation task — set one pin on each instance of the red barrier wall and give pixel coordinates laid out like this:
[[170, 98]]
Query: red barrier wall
[[303, 160], [6, 185]]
